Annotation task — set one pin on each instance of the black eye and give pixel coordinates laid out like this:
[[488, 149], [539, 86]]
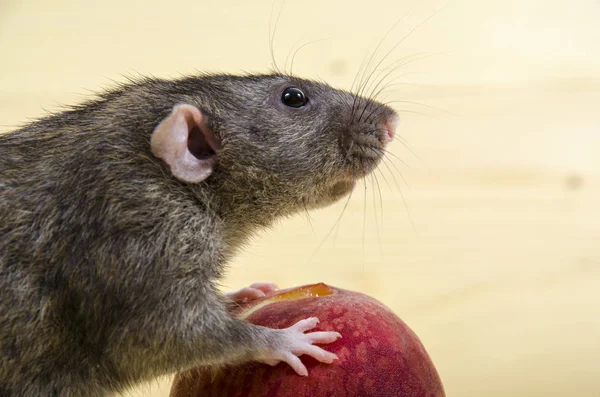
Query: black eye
[[294, 97]]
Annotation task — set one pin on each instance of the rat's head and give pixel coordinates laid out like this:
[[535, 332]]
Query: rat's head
[[275, 142]]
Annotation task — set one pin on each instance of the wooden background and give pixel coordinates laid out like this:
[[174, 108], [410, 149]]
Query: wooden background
[[498, 272]]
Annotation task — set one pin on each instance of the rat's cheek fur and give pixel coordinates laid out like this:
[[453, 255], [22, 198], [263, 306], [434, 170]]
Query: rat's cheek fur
[[330, 194]]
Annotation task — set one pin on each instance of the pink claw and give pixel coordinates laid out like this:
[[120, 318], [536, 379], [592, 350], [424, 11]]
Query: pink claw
[[252, 292], [297, 343]]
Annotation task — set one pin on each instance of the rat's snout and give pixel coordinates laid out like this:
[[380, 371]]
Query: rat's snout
[[371, 127], [374, 132]]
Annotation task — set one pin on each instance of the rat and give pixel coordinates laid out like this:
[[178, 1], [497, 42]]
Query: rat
[[119, 215]]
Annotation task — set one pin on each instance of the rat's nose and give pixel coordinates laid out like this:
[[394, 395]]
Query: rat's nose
[[390, 128]]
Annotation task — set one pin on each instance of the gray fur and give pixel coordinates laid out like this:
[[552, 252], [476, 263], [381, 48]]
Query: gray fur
[[109, 265]]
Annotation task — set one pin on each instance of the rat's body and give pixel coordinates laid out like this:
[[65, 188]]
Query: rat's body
[[110, 254]]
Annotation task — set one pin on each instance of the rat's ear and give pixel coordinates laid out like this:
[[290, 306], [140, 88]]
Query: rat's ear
[[186, 144]]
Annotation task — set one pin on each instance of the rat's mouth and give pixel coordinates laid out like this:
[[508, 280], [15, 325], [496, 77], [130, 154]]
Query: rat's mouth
[[329, 194], [364, 163], [341, 189]]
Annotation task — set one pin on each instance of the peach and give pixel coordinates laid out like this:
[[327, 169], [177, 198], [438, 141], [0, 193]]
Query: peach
[[378, 353]]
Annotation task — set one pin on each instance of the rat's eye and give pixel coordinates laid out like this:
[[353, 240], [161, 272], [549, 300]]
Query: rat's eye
[[293, 97]]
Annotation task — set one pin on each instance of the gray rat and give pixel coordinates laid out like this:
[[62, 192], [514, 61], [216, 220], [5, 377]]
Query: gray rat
[[118, 216]]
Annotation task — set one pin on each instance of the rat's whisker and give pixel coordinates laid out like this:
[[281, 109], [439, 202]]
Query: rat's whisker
[[308, 218], [420, 104], [397, 170], [361, 89], [339, 218], [394, 83], [377, 224], [374, 93], [337, 225], [404, 163], [364, 81], [285, 66], [400, 191], [364, 219], [405, 38], [383, 176], [272, 33], [301, 47], [367, 104], [424, 105], [392, 173], [380, 196], [415, 112], [392, 68]]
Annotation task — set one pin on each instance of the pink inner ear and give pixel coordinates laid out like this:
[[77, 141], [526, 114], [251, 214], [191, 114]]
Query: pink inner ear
[[198, 144], [186, 144]]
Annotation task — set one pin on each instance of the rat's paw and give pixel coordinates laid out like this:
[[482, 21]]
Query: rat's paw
[[254, 291], [297, 343]]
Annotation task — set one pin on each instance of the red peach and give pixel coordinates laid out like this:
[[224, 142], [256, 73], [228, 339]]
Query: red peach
[[378, 354]]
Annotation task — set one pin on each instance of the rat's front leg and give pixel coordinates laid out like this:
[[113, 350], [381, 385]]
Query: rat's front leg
[[295, 342], [273, 346], [223, 339], [252, 292]]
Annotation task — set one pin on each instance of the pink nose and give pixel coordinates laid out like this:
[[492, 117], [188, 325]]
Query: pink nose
[[390, 127]]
